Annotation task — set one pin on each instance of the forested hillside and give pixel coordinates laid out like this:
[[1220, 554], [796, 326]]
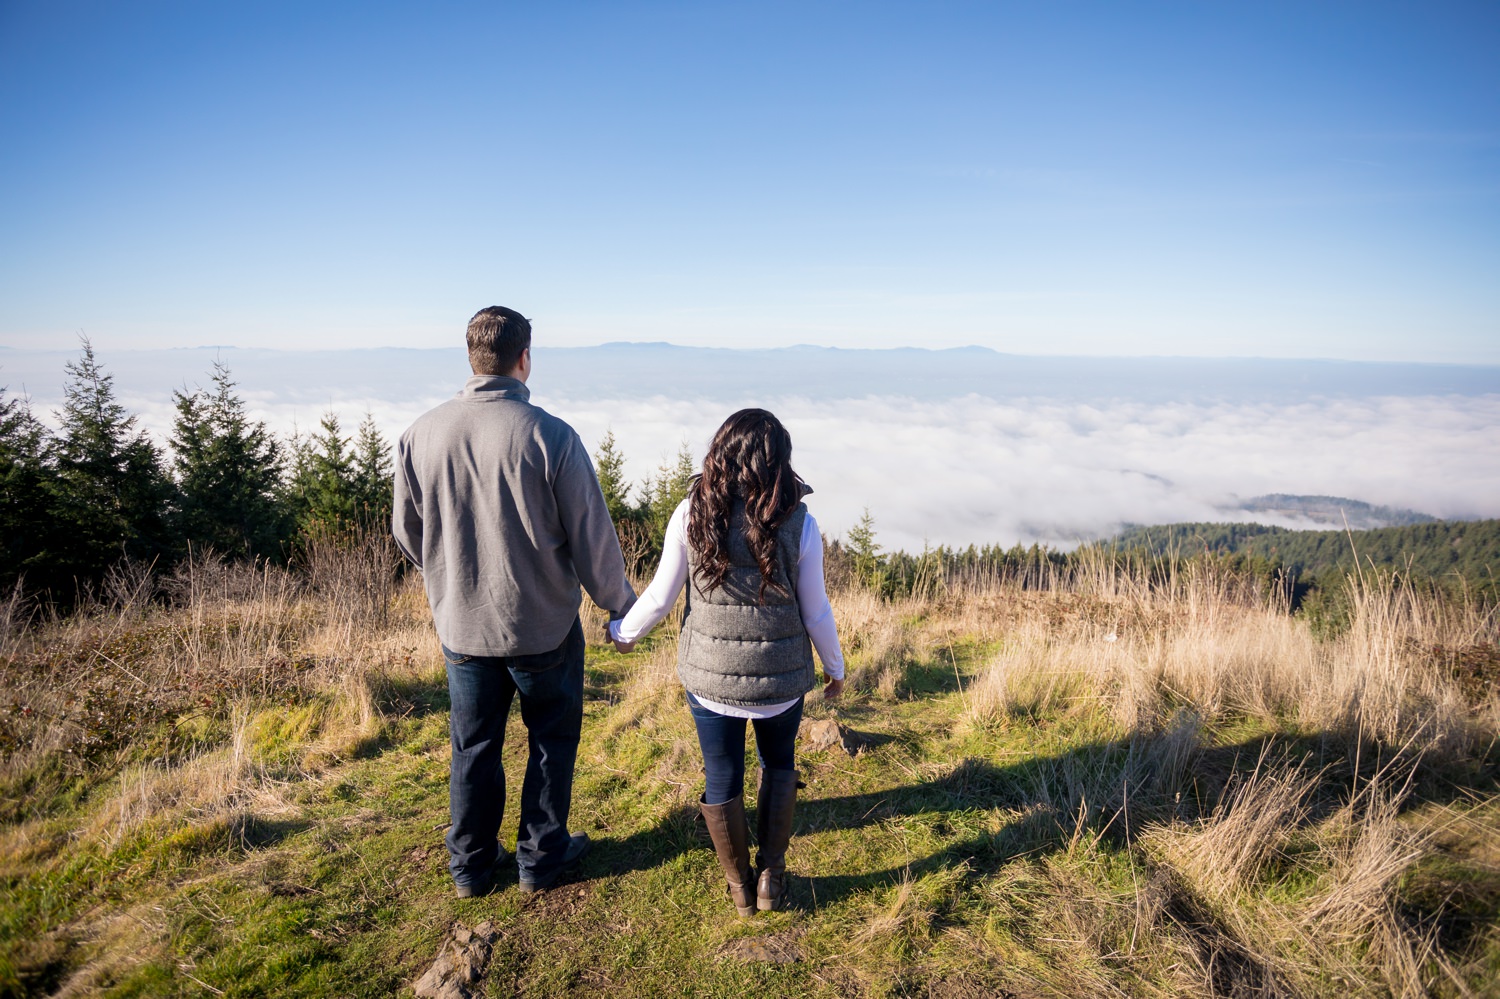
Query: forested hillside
[[1444, 551]]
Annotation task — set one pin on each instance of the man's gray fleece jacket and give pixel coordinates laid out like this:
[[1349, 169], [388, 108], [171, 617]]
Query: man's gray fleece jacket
[[497, 503]]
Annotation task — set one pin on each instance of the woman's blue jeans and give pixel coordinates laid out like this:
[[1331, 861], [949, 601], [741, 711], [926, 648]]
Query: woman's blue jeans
[[722, 740], [481, 689]]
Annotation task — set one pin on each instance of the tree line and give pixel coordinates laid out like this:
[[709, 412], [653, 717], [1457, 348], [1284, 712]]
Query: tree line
[[76, 501], [1309, 570], [1449, 554]]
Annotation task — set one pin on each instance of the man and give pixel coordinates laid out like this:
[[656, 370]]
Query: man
[[497, 503]]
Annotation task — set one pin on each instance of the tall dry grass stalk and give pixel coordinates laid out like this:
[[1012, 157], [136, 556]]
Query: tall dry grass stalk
[[879, 640], [15, 615], [1375, 682], [1251, 824], [1351, 927], [1145, 650], [352, 570]]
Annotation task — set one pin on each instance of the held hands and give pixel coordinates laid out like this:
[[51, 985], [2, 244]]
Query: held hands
[[611, 631], [832, 689]]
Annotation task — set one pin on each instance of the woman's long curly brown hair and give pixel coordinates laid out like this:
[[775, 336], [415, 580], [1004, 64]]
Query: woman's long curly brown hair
[[750, 460]]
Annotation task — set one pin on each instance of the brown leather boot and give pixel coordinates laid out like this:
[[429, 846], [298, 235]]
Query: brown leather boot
[[773, 824], [731, 835]]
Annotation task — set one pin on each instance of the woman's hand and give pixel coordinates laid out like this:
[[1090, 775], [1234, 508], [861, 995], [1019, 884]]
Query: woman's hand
[[611, 631], [832, 689]]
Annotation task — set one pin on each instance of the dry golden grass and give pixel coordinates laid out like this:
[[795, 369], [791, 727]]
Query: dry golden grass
[[255, 672], [1148, 651]]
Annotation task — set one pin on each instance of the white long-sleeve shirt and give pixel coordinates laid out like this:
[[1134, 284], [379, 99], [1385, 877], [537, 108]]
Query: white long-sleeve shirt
[[812, 600]]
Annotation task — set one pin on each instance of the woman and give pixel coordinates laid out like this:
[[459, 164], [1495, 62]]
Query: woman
[[756, 608]]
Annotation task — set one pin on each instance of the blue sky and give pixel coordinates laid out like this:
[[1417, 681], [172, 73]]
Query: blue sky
[[1285, 180]]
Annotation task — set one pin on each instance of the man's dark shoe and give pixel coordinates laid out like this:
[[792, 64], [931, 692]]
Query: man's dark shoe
[[578, 845], [485, 883], [478, 889]]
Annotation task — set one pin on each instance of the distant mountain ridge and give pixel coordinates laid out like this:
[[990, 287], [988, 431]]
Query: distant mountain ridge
[[636, 370], [1332, 511]]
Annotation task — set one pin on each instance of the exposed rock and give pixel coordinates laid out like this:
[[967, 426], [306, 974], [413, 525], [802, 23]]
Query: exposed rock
[[827, 733], [820, 735], [462, 959]]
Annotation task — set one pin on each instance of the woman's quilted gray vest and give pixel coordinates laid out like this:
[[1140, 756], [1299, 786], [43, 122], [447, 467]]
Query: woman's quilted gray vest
[[734, 648]]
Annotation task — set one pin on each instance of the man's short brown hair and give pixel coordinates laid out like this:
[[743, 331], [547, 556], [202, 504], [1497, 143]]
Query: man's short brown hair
[[497, 337]]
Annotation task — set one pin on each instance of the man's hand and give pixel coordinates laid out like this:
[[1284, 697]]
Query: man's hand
[[832, 689], [624, 648]]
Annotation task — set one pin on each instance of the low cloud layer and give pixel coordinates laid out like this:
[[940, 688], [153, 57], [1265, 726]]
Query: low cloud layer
[[983, 471], [1058, 462]]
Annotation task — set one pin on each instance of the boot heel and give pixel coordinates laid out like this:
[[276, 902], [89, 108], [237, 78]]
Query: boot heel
[[770, 892], [742, 894]]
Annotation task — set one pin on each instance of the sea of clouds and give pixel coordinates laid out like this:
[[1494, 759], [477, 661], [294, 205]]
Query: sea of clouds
[[942, 447]]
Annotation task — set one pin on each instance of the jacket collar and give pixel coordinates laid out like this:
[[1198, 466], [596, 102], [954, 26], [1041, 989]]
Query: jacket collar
[[495, 387]]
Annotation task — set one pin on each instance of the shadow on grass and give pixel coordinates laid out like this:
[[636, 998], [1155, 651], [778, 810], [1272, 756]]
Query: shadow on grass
[[1079, 794], [410, 697], [254, 832], [1106, 790], [243, 832], [1111, 790], [403, 701]]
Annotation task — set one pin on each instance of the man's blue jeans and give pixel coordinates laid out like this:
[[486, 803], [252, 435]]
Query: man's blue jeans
[[481, 689], [722, 740]]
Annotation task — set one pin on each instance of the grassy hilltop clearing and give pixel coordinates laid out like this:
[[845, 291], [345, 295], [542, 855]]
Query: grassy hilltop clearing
[[232, 781]]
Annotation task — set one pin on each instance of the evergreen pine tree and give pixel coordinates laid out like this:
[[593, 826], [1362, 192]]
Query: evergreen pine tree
[[865, 552], [371, 472], [28, 492], [228, 472], [114, 495], [667, 490], [609, 465], [322, 478]]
